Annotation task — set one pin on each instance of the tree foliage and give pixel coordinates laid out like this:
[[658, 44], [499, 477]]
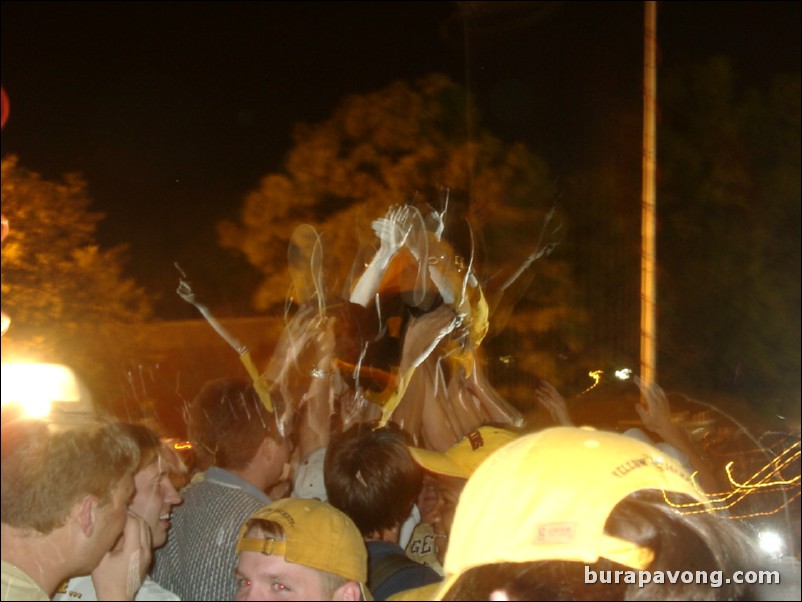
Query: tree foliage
[[68, 299], [421, 143], [730, 239]]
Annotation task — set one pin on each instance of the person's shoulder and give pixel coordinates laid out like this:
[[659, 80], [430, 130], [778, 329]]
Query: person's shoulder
[[208, 494], [424, 592], [395, 573], [77, 588], [422, 574], [382, 548], [18, 585]]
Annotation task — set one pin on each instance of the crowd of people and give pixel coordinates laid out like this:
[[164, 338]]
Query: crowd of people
[[91, 511], [371, 460]]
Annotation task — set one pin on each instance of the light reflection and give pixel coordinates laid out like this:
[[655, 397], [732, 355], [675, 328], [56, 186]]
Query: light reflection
[[768, 479], [34, 387]]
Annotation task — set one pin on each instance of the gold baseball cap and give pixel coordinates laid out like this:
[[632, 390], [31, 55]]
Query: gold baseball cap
[[547, 496], [317, 535], [462, 459]]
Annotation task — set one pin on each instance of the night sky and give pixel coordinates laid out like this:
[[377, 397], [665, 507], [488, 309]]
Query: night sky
[[173, 111]]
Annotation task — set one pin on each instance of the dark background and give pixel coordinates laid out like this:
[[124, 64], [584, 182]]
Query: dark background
[[172, 111]]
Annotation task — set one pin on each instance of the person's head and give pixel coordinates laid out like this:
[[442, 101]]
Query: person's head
[[370, 475], [447, 473], [300, 549], [155, 493], [73, 473], [229, 427], [546, 509]]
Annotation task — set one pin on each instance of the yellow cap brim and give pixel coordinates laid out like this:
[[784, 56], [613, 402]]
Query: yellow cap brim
[[439, 463]]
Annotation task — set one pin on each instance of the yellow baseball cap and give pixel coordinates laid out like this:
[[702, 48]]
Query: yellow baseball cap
[[547, 496], [317, 535], [463, 458]]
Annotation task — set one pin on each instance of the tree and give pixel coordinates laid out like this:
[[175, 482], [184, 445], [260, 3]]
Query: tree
[[729, 239], [420, 142], [68, 299]]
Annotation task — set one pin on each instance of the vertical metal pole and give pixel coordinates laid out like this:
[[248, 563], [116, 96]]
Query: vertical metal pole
[[648, 328]]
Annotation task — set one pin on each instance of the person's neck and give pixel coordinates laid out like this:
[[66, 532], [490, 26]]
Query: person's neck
[[252, 474], [44, 558], [391, 535]]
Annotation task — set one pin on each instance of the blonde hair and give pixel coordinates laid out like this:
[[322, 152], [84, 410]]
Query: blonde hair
[[48, 466], [268, 529]]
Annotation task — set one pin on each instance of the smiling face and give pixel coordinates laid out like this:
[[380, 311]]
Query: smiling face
[[154, 499]]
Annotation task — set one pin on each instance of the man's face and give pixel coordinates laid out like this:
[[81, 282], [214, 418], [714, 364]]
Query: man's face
[[263, 577], [437, 503], [154, 499]]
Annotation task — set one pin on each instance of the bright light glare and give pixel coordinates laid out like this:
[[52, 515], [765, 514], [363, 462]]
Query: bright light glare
[[35, 386], [623, 374], [770, 542]]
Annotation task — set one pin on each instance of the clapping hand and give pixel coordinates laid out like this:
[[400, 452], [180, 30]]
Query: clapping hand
[[554, 403]]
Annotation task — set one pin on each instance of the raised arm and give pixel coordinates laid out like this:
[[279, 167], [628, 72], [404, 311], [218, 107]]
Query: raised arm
[[656, 416], [393, 231], [554, 403]]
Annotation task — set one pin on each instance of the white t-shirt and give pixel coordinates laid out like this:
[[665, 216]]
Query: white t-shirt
[[307, 482]]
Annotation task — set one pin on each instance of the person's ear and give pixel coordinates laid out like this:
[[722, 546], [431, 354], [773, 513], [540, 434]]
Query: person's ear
[[267, 448], [87, 514], [349, 591]]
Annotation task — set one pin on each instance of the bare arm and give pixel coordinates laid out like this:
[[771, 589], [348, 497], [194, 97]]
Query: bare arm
[[423, 335], [314, 428], [554, 403], [393, 232], [656, 417]]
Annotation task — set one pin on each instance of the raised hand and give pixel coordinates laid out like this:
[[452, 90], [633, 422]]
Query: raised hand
[[656, 413], [392, 231], [554, 403], [122, 570]]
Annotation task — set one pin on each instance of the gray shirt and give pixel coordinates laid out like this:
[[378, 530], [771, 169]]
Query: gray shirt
[[199, 559]]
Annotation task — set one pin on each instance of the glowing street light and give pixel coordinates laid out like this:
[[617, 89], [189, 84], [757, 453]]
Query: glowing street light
[[35, 388]]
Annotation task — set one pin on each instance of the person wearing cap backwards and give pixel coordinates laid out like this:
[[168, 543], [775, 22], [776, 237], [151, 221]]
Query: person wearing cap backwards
[[301, 549], [541, 517], [445, 477]]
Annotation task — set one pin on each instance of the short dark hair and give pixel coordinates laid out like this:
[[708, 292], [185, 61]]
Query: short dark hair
[[371, 476], [227, 422]]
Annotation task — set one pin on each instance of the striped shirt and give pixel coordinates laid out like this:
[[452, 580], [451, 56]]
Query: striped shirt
[[199, 559]]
